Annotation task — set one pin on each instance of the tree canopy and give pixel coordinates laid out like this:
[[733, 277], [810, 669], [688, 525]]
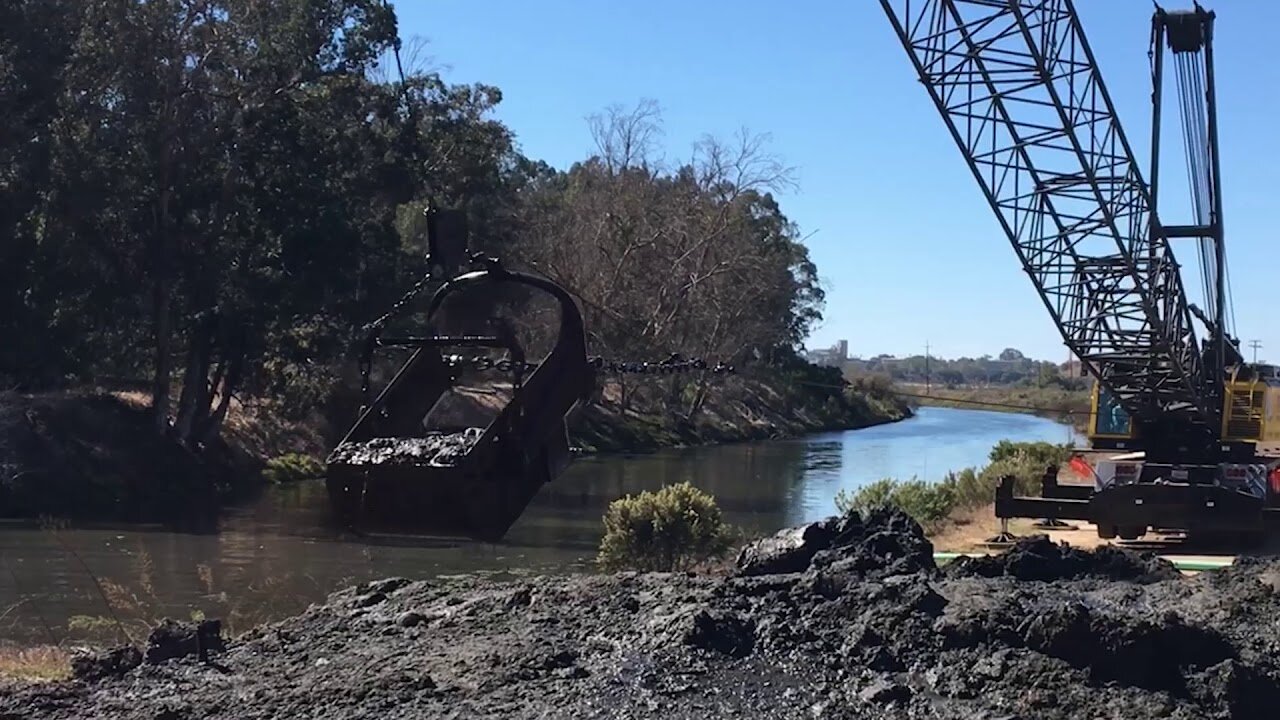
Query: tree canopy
[[215, 195]]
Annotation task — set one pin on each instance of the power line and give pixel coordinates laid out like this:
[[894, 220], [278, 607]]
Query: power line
[[962, 401], [989, 403]]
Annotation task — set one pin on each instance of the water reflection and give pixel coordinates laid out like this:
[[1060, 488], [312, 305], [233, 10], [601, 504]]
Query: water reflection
[[278, 554]]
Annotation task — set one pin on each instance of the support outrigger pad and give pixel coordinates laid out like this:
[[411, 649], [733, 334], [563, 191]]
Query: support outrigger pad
[[1053, 524], [471, 482], [1003, 538]]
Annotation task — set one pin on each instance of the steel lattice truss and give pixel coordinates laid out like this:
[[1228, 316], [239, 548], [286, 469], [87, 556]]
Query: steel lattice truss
[[1021, 93]]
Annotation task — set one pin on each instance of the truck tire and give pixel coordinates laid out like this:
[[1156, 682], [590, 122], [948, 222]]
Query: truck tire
[[1131, 532]]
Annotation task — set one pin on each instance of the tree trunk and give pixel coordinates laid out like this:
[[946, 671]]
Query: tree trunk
[[162, 321], [193, 404], [209, 430], [699, 399]]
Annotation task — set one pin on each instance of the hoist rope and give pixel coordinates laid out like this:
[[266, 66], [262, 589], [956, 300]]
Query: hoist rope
[[1192, 99]]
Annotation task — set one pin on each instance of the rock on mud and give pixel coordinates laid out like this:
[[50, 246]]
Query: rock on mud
[[847, 618], [172, 639], [788, 551], [437, 448], [1039, 558], [108, 663], [168, 640], [885, 540]]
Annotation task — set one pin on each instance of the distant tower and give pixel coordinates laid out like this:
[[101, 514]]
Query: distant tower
[[842, 350]]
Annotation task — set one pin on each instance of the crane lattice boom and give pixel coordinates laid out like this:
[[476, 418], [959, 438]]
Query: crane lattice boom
[[1020, 91]]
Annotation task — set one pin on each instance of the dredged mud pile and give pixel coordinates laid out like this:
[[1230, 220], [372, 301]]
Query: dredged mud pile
[[436, 448], [848, 618]]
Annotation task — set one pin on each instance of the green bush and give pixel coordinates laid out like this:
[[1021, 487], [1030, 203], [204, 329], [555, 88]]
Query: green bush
[[1027, 473], [1045, 453], [971, 488], [292, 467], [928, 503], [932, 503], [977, 488], [871, 495], [671, 529]]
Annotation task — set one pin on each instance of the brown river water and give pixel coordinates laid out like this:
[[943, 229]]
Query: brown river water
[[276, 555]]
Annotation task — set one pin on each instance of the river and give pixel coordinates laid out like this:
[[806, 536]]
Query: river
[[273, 557]]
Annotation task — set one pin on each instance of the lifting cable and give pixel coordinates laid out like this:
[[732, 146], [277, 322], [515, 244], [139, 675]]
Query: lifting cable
[[1191, 115], [962, 401], [1192, 86]]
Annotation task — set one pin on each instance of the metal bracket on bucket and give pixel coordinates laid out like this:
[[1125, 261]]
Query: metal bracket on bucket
[[473, 482]]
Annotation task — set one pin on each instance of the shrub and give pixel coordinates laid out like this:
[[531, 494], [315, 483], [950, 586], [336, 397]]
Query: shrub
[[928, 503], [1026, 471], [292, 467], [1044, 453], [876, 494], [972, 488], [671, 529], [932, 503]]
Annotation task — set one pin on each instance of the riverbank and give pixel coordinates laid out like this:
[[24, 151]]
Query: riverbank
[[737, 409], [91, 454], [840, 619]]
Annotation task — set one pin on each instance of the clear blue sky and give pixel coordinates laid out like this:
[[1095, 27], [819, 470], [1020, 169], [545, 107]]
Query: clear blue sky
[[908, 249]]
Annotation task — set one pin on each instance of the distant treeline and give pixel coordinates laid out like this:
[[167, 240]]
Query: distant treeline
[[1011, 367]]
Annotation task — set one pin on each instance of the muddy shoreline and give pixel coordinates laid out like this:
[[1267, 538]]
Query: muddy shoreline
[[841, 619]]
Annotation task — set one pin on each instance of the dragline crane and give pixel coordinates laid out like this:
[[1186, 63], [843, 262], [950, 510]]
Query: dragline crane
[[1020, 91]]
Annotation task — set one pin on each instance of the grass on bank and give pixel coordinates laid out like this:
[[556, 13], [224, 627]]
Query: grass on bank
[[43, 663], [292, 467]]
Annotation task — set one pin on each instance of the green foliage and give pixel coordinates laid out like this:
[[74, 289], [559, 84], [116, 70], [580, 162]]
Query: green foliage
[[668, 530], [971, 488], [210, 199], [1044, 453], [1025, 461], [977, 488], [292, 467], [876, 396], [928, 503], [823, 390], [98, 625], [932, 503], [873, 383]]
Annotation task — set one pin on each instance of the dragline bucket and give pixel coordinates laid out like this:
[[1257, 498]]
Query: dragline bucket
[[453, 478]]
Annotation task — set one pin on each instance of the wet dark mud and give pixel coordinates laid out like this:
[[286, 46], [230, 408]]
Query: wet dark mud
[[436, 448], [848, 618]]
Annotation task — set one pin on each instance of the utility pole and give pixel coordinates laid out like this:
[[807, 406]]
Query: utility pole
[[1255, 345], [926, 367]]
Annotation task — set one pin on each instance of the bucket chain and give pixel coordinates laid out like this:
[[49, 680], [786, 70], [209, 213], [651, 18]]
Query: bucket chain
[[671, 366]]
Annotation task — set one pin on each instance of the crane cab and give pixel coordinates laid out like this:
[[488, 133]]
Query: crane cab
[[1251, 404], [1110, 425], [1250, 411]]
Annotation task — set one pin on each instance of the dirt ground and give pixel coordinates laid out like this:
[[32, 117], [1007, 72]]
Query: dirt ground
[[847, 618], [970, 531]]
